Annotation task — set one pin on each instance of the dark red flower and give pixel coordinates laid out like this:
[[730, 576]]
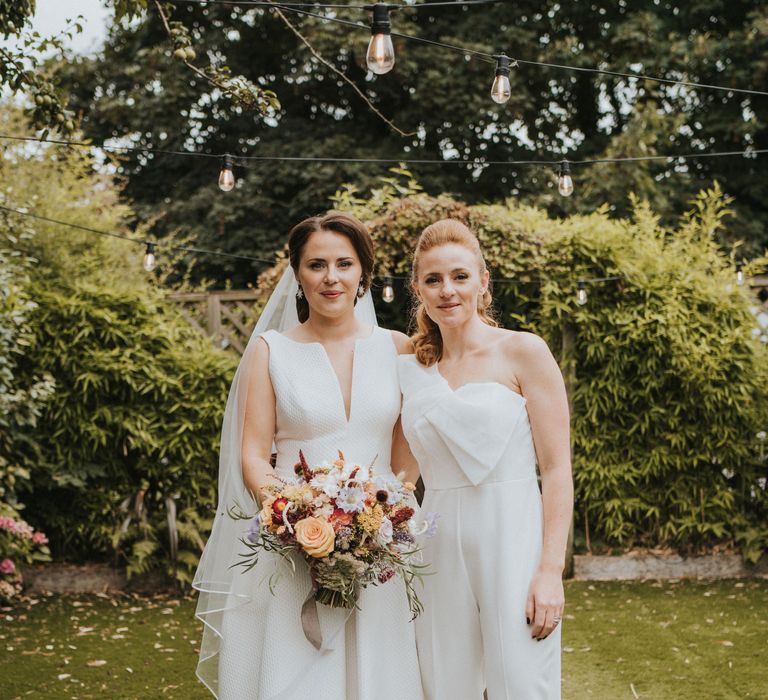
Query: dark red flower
[[401, 515], [305, 468], [279, 506]]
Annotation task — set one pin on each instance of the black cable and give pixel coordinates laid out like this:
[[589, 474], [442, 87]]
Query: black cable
[[241, 160], [493, 57], [88, 229], [325, 6], [186, 249]]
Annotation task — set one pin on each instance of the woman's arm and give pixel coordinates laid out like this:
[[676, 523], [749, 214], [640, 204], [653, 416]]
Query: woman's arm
[[542, 384], [402, 457], [259, 426]]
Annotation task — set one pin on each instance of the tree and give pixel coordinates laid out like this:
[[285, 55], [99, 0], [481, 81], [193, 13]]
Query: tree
[[23, 70], [122, 459], [443, 100]]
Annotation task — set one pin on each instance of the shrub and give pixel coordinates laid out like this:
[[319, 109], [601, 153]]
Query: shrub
[[668, 385]]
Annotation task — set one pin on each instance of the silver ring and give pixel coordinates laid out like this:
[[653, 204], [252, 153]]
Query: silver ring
[[556, 620]]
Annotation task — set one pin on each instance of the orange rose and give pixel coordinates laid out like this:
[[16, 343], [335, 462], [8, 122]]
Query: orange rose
[[316, 536]]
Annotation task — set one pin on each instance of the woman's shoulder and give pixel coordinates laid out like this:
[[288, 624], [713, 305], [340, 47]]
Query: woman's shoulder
[[401, 341], [524, 348]]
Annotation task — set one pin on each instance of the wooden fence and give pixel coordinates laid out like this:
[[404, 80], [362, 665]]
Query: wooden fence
[[228, 318]]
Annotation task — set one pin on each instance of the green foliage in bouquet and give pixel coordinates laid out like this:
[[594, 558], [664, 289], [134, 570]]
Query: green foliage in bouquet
[[669, 388], [126, 446]]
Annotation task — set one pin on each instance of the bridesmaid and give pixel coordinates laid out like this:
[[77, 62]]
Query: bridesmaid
[[482, 407]]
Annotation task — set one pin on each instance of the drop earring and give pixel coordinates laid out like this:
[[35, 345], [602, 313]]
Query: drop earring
[[361, 291], [299, 293]]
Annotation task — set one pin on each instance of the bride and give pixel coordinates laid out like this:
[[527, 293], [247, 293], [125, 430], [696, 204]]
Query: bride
[[327, 383]]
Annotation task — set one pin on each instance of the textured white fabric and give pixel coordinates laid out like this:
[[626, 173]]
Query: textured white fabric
[[475, 450], [219, 585], [264, 653]]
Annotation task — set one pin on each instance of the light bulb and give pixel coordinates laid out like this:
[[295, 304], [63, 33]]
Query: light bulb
[[149, 258], [565, 182], [501, 90], [381, 50], [581, 295], [740, 273], [388, 293], [226, 176]]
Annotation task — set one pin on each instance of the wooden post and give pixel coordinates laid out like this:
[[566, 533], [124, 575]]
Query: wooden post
[[568, 366], [214, 316]]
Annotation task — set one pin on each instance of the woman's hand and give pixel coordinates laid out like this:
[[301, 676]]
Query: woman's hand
[[546, 602]]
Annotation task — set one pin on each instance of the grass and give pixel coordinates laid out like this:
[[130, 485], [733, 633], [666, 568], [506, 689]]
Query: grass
[[682, 640]]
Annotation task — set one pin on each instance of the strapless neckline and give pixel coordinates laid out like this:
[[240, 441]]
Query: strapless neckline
[[436, 370]]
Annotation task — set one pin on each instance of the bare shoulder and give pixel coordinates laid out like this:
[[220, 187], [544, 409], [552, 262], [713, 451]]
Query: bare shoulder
[[525, 348], [402, 343], [259, 356]]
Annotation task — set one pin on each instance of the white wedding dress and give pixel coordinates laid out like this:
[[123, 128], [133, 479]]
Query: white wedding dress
[[477, 459], [263, 652]]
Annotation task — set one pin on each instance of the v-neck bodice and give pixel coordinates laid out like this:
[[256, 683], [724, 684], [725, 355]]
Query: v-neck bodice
[[477, 433], [310, 411]]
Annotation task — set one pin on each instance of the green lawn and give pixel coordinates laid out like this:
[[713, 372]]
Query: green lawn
[[686, 640]]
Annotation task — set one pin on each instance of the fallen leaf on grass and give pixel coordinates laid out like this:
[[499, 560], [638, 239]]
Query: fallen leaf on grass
[[726, 643], [64, 676], [96, 662]]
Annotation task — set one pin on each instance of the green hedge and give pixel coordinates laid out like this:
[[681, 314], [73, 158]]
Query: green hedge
[[669, 388], [130, 438]]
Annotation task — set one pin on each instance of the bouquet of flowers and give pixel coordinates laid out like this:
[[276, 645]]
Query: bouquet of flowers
[[353, 528]]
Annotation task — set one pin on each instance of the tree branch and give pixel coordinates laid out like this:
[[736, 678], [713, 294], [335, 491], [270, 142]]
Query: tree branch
[[239, 88], [342, 75]]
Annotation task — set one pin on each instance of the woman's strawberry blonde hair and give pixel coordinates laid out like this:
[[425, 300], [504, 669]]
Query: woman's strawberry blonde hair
[[427, 341]]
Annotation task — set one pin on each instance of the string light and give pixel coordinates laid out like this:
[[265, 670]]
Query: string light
[[502, 90], [244, 159], [149, 258], [740, 273], [388, 293], [565, 181], [381, 50], [492, 59], [227, 176], [581, 294]]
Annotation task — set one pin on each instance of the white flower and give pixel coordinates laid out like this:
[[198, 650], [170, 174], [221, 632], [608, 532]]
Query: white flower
[[385, 532], [391, 485], [327, 483], [351, 499]]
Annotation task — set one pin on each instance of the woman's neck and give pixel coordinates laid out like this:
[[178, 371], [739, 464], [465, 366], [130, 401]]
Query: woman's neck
[[332, 329], [460, 341]]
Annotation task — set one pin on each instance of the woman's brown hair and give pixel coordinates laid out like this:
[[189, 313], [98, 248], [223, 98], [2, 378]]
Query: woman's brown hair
[[427, 341], [345, 224]]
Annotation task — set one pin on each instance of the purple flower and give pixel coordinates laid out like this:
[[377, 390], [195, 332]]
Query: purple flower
[[430, 520], [254, 530], [402, 537]]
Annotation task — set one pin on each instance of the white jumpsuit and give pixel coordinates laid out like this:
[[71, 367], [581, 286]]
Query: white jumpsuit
[[477, 459]]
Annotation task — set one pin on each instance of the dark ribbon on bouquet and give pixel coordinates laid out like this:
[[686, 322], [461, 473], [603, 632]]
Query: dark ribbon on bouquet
[[310, 620]]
